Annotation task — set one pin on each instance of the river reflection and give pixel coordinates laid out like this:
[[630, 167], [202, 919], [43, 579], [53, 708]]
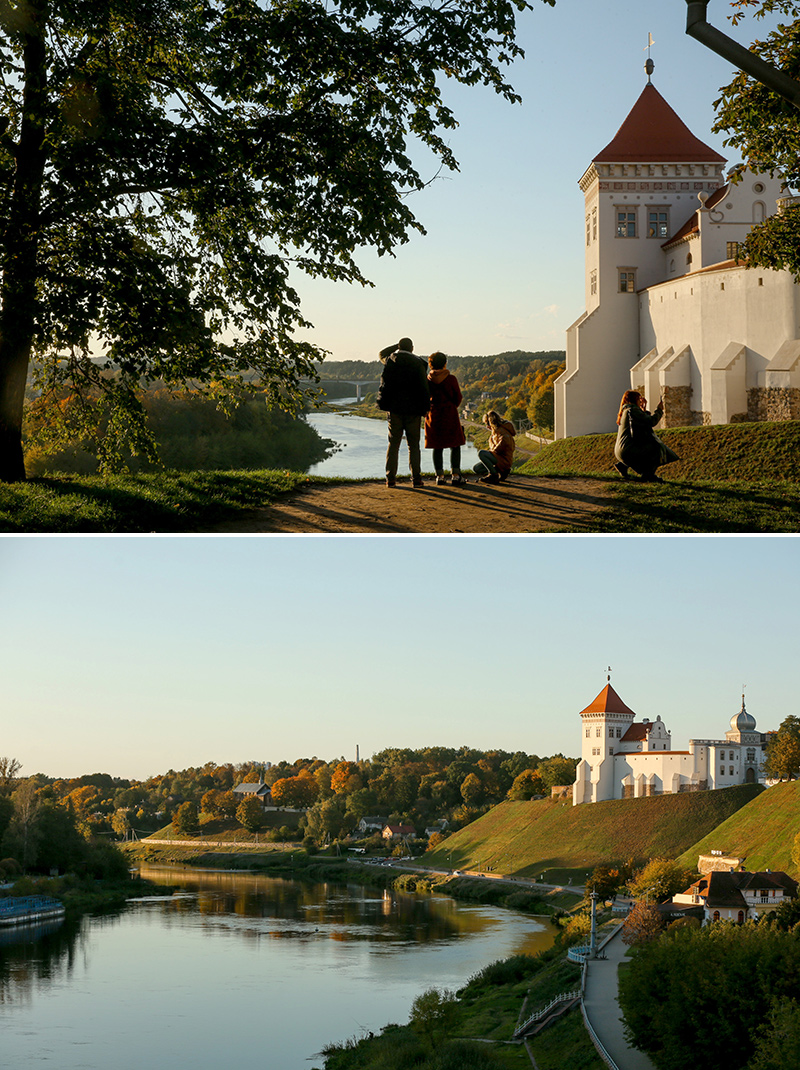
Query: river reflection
[[239, 966]]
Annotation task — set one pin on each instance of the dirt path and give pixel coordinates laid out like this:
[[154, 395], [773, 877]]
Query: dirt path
[[522, 504]]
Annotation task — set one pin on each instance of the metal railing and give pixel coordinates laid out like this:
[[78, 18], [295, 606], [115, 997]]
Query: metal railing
[[17, 905], [565, 997]]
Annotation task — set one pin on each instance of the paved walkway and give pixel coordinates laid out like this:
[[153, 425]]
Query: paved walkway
[[602, 1008]]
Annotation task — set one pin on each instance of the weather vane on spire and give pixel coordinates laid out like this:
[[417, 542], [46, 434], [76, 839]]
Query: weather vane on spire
[[608, 670], [649, 65]]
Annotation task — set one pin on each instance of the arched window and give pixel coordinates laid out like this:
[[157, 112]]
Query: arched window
[[715, 916], [740, 917], [759, 212]]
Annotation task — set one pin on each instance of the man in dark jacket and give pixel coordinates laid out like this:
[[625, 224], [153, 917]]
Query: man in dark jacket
[[405, 396]]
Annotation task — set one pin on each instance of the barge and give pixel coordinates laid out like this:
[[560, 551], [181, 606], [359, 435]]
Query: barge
[[27, 909]]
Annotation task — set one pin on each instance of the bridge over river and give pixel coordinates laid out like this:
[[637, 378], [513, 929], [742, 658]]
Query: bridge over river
[[345, 388]]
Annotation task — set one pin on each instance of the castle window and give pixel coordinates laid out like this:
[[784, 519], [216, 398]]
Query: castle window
[[593, 281], [722, 770], [657, 223], [619, 733], [732, 250], [610, 750], [588, 231], [597, 731], [626, 223], [627, 281], [611, 732], [730, 770], [594, 224], [588, 732]]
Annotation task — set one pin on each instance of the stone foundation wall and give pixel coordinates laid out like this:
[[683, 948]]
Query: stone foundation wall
[[678, 406], [774, 403]]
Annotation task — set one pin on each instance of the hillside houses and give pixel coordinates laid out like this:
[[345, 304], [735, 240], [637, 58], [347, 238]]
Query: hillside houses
[[256, 789], [737, 895]]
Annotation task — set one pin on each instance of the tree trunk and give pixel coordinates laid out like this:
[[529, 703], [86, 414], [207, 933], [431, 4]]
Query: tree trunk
[[20, 247]]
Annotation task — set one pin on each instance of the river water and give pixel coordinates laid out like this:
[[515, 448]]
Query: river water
[[363, 446], [238, 969]]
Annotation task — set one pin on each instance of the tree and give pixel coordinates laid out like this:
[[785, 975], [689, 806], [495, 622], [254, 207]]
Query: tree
[[778, 1045], [295, 791], [526, 785], [185, 819], [606, 880], [433, 1014], [765, 130], [557, 771], [783, 753], [9, 767], [660, 879], [643, 923], [250, 814], [164, 165], [472, 790]]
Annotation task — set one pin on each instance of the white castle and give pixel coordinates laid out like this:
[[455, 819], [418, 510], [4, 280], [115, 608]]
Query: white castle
[[669, 309], [622, 758]]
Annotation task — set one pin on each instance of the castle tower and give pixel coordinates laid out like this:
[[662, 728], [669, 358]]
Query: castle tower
[[638, 191], [605, 722]]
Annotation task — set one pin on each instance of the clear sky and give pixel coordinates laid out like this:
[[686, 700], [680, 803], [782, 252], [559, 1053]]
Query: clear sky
[[501, 267], [136, 655]]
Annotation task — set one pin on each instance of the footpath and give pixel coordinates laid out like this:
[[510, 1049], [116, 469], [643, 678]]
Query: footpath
[[521, 505], [601, 1007]]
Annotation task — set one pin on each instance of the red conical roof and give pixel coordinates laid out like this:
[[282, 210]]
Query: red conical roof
[[654, 133], [608, 701]]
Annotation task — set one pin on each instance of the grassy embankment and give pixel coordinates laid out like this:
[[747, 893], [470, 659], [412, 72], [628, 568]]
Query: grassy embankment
[[737, 478], [484, 1020], [762, 832], [557, 842]]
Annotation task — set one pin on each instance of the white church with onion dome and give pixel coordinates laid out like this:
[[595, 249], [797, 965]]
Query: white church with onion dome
[[670, 311], [622, 758]]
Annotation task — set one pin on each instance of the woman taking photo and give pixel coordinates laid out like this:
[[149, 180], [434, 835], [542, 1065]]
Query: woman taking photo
[[637, 446]]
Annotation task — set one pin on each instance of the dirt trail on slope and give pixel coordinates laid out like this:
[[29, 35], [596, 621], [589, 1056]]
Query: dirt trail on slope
[[520, 505]]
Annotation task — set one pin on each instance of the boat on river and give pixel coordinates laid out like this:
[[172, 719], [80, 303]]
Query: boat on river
[[29, 909]]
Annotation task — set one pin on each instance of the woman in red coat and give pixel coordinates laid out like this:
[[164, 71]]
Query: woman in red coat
[[443, 428]]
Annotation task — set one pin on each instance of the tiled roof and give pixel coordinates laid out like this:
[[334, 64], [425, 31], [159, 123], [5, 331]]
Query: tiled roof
[[692, 224], [637, 731], [654, 133], [608, 701]]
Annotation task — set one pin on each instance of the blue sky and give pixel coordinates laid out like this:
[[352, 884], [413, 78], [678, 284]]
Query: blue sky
[[501, 267], [135, 655]]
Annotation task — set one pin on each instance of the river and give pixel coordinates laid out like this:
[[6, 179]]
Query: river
[[238, 968], [363, 446]]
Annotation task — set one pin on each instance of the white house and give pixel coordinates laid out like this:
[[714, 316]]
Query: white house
[[731, 895], [622, 758], [669, 309]]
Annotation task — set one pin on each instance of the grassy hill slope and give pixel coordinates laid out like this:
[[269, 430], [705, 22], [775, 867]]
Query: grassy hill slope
[[751, 452], [561, 840], [763, 832]]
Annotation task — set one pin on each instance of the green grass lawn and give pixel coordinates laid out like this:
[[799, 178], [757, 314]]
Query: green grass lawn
[[555, 841], [762, 832], [164, 502]]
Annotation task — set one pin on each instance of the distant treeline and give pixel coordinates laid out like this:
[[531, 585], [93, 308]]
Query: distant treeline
[[517, 361]]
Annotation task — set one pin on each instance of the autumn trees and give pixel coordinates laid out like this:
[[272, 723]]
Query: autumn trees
[[783, 753]]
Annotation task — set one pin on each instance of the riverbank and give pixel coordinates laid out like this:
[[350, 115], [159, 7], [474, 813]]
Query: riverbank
[[281, 860]]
